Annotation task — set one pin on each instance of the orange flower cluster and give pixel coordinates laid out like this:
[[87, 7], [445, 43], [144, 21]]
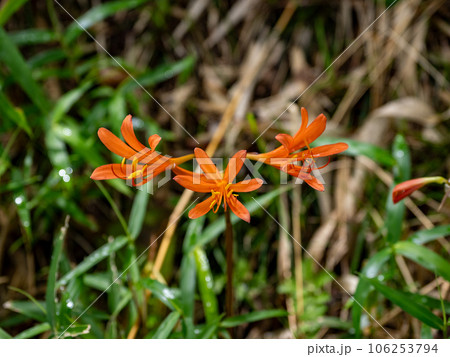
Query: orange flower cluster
[[141, 164]]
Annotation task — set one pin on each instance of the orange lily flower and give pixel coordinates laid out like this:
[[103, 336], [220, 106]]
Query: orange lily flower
[[145, 162], [219, 184], [284, 157], [406, 188]]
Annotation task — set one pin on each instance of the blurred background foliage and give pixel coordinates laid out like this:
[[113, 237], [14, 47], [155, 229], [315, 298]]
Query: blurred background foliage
[[385, 92]]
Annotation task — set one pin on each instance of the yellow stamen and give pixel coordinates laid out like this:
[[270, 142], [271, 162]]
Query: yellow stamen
[[123, 162], [229, 193], [212, 204]]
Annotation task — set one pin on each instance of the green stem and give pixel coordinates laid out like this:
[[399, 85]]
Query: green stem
[[229, 256]]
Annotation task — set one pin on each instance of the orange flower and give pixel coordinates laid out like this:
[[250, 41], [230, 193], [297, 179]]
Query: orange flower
[[404, 189], [219, 184], [285, 156], [145, 162]]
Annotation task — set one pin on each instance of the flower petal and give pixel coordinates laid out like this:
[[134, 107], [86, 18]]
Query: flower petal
[[110, 171], [311, 133], [324, 150], [114, 144], [153, 141], [238, 208], [234, 166], [195, 183], [404, 189], [202, 208], [129, 135], [285, 140], [206, 164], [247, 185]]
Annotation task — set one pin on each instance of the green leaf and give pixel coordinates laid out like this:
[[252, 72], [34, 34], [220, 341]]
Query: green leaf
[[402, 300], [16, 115], [370, 270], [4, 335], [93, 259], [187, 284], [402, 172], [206, 285], [32, 37], [252, 317], [9, 8], [97, 14], [19, 69], [167, 325], [34, 331], [158, 74], [424, 257], [27, 308], [75, 330], [138, 211], [50, 295], [165, 294], [359, 148], [66, 102], [427, 235]]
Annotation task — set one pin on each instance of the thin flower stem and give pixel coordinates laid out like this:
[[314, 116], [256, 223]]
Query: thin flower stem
[[115, 208], [229, 256]]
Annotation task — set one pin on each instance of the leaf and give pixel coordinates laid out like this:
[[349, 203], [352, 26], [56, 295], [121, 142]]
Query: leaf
[[65, 102], [33, 36], [4, 335], [252, 317], [50, 295], [27, 308], [9, 112], [424, 257], [93, 259], [167, 325], [206, 285], [158, 74], [75, 330], [402, 172], [138, 211], [370, 270], [34, 331], [402, 300], [359, 148], [165, 294], [97, 14], [187, 285], [9, 8], [427, 235], [19, 69]]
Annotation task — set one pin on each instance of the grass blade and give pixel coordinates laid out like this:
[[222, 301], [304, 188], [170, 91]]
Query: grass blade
[[34, 331], [424, 257], [402, 300], [252, 317], [9, 8], [428, 235], [167, 325]]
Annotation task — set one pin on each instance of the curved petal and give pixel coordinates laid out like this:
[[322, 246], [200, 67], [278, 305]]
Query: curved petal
[[206, 164], [110, 171], [404, 189], [247, 185], [311, 133], [238, 208], [194, 183], [285, 140], [129, 135], [316, 184], [324, 150], [153, 141], [114, 144], [234, 166], [202, 208]]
